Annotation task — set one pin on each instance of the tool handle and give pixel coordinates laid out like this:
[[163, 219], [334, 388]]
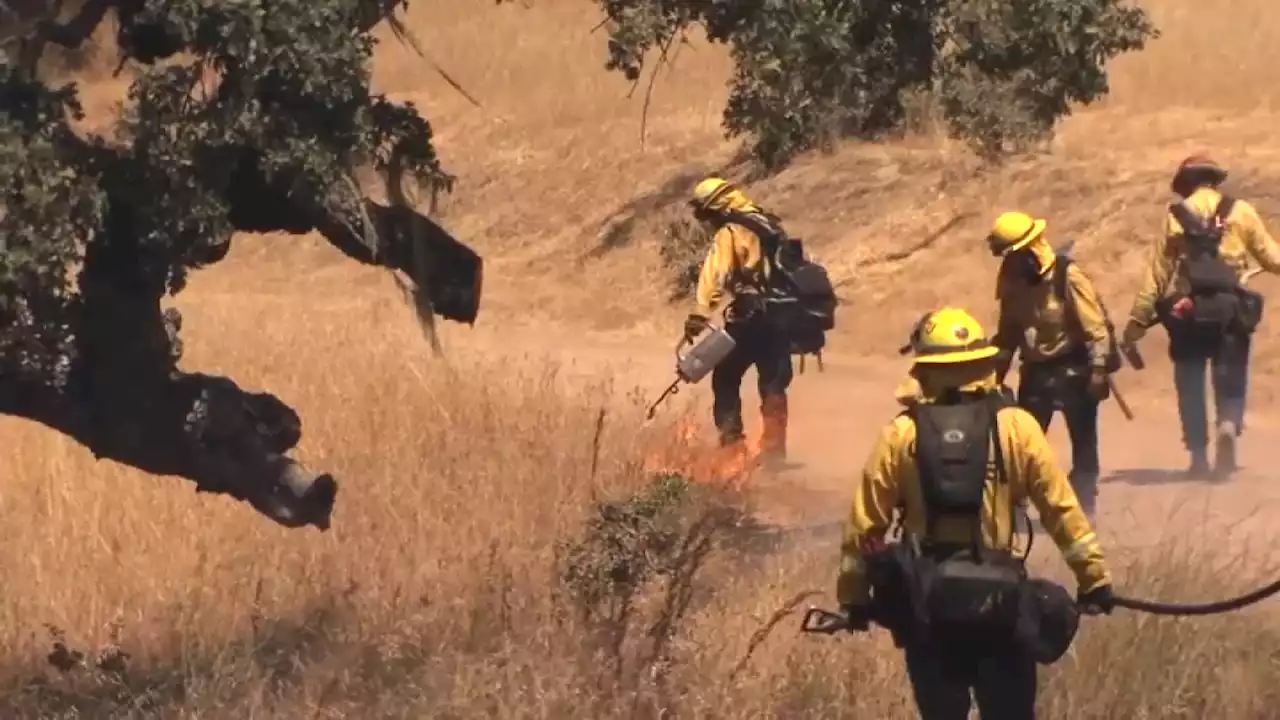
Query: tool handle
[[1115, 395]]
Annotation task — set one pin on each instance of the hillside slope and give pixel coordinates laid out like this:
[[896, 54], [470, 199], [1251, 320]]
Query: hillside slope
[[557, 191]]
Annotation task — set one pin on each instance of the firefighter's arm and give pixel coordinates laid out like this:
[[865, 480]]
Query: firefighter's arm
[[716, 269], [1155, 277], [870, 516], [1059, 509], [1261, 245], [1008, 333], [1088, 310]]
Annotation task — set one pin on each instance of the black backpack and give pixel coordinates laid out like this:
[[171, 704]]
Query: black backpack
[[923, 586], [801, 301], [1207, 272], [1115, 360], [1220, 304]]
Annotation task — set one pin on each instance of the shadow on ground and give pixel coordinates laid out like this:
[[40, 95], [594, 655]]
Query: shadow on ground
[[1153, 476]]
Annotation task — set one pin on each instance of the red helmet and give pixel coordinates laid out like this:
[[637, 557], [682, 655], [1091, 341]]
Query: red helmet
[[1196, 171]]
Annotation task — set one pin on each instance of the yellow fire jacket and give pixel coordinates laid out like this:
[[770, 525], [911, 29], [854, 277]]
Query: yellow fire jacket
[[908, 391], [1041, 326], [890, 478], [735, 264], [1244, 242]]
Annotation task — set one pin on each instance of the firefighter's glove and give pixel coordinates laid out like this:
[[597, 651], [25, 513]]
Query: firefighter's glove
[[694, 325], [857, 618], [1133, 332], [1098, 601], [1099, 388]]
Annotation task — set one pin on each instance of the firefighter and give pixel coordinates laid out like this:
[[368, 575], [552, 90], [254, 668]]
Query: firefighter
[[1052, 317], [957, 505], [736, 274], [1193, 285]]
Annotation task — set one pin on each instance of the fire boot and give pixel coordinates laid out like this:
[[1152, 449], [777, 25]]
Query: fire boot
[[1224, 462], [730, 436], [728, 419], [1199, 468], [773, 435]]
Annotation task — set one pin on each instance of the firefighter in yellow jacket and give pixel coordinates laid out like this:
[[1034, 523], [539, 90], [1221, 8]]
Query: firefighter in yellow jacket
[[1194, 286], [957, 490], [1051, 315], [736, 271]]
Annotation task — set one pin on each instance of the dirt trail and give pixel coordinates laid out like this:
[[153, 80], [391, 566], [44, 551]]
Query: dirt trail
[[836, 414]]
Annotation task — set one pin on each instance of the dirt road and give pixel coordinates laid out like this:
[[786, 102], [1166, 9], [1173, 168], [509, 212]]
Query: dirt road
[[835, 415]]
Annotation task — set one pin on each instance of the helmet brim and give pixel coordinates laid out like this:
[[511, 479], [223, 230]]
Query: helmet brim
[[959, 356], [1198, 175], [1037, 229]]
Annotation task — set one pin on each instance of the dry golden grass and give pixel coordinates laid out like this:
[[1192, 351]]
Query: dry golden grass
[[433, 596], [436, 594]]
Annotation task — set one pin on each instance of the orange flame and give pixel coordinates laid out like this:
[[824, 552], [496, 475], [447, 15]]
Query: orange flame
[[687, 452]]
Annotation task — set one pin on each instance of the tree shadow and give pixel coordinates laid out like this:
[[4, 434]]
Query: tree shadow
[[618, 230]]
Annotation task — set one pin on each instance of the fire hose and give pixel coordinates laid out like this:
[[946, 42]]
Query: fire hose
[[826, 622], [1212, 608]]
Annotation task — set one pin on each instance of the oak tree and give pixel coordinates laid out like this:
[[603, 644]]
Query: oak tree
[[243, 115], [807, 72]]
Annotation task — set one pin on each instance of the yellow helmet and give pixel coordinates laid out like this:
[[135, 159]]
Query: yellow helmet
[[1014, 231], [708, 190], [950, 335]]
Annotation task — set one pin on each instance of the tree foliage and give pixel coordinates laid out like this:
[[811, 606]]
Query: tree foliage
[[809, 71], [244, 115]]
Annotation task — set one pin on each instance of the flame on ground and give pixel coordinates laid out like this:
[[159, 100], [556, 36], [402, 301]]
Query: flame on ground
[[687, 452]]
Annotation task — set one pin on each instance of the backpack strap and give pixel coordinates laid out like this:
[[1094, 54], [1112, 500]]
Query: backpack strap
[[768, 228], [1225, 205], [1189, 221], [1060, 269], [763, 225], [997, 403], [1061, 264]]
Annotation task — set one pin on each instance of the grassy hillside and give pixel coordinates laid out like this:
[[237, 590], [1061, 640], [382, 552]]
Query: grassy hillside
[[439, 592]]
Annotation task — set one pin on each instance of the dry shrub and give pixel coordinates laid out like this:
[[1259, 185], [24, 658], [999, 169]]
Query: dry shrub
[[500, 552]]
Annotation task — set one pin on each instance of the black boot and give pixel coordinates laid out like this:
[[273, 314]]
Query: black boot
[[1199, 468], [731, 436]]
